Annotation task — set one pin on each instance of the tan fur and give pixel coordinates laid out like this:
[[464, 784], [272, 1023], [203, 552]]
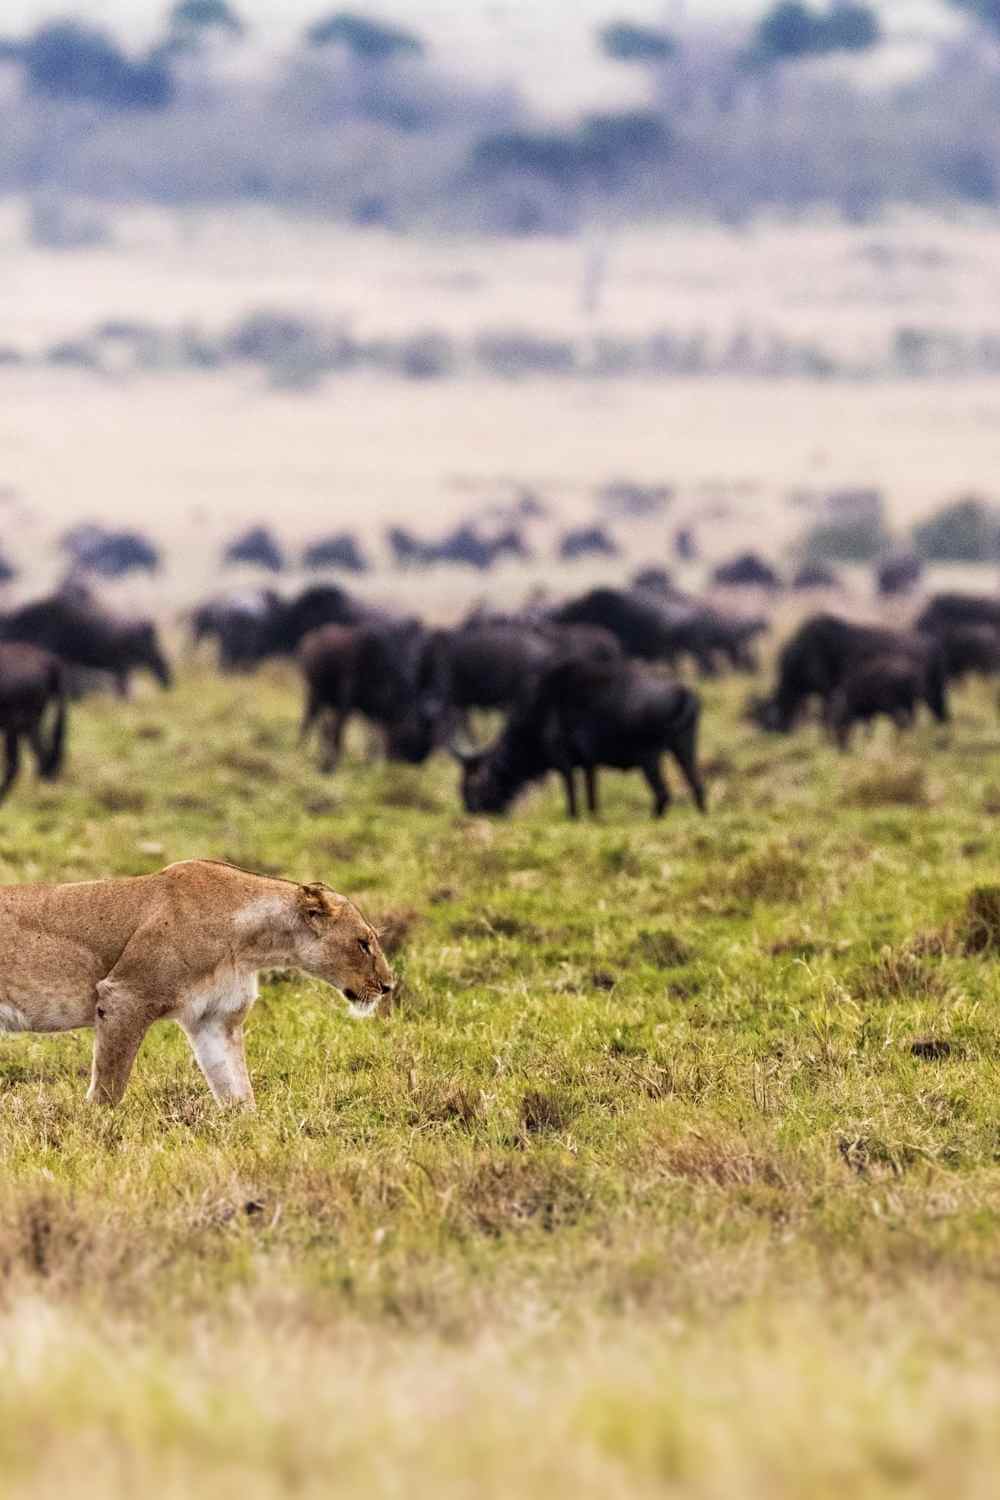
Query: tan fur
[[185, 944]]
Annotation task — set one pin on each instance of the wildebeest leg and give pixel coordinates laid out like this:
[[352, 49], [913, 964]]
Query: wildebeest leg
[[333, 739], [123, 686], [569, 781], [658, 786], [12, 747], [38, 746], [685, 753], [309, 713], [590, 776], [217, 1044]]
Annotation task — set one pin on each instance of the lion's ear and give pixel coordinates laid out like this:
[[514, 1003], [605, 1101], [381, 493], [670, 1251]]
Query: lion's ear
[[313, 906]]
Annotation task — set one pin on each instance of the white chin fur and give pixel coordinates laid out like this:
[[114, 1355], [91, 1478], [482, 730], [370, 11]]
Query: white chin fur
[[361, 1009]]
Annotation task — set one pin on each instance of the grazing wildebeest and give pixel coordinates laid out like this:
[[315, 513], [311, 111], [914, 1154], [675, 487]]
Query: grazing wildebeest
[[583, 715], [84, 636], [30, 681], [883, 687], [825, 650], [746, 571], [258, 547], [110, 554], [663, 629], [588, 541], [340, 551], [244, 624], [370, 670], [898, 575]]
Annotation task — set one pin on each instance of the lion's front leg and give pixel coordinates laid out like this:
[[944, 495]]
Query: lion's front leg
[[217, 1043]]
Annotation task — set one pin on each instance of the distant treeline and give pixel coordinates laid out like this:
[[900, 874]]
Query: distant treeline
[[359, 120], [295, 352]]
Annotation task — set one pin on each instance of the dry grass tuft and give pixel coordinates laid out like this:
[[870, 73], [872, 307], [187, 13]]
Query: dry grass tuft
[[890, 785]]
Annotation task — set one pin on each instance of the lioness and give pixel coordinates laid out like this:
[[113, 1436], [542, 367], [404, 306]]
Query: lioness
[[184, 944]]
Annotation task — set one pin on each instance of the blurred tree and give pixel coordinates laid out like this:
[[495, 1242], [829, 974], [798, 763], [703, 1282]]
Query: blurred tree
[[600, 152], [794, 30], [370, 40], [626, 42], [987, 11], [194, 17], [67, 60]]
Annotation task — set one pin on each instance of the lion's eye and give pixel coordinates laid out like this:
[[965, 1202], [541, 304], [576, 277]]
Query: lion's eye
[[364, 945]]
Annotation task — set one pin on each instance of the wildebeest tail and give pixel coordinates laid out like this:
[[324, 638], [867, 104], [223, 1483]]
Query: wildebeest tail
[[52, 759]]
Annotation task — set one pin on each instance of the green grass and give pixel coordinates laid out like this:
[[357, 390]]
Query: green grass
[[640, 1190]]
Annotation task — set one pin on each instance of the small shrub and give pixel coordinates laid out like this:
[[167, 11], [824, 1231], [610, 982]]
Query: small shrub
[[979, 929], [663, 950]]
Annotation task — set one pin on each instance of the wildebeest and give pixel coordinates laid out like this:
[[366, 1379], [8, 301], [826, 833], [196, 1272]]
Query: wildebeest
[[493, 666], [466, 545], [30, 681], [243, 624], [370, 670], [110, 554], [258, 547], [944, 611], [84, 636], [583, 715], [825, 650], [588, 541], [339, 551], [663, 629], [746, 571], [899, 574], [815, 575], [655, 581], [970, 650], [884, 687]]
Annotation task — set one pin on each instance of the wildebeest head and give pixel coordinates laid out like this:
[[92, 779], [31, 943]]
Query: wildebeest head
[[767, 714], [483, 789]]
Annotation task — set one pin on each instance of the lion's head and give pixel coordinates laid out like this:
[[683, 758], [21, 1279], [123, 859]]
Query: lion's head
[[339, 946]]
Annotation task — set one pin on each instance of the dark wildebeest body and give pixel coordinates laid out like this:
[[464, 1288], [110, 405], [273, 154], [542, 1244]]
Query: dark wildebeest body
[[588, 541], [746, 571], [493, 666], [370, 670], [825, 650], [30, 680], [947, 611], [256, 547], [243, 624], [885, 687], [340, 551], [111, 554], [970, 650], [898, 575], [583, 715], [653, 628], [83, 636], [815, 575]]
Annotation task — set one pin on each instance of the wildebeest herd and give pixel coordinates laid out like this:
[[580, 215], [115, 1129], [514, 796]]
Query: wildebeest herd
[[593, 681]]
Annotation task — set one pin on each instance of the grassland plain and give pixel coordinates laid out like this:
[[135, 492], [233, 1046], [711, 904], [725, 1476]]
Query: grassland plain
[[640, 1190]]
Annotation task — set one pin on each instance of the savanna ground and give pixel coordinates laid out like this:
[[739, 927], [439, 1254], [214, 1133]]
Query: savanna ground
[[641, 1189]]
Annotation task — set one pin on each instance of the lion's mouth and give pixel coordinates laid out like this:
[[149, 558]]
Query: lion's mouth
[[351, 995]]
